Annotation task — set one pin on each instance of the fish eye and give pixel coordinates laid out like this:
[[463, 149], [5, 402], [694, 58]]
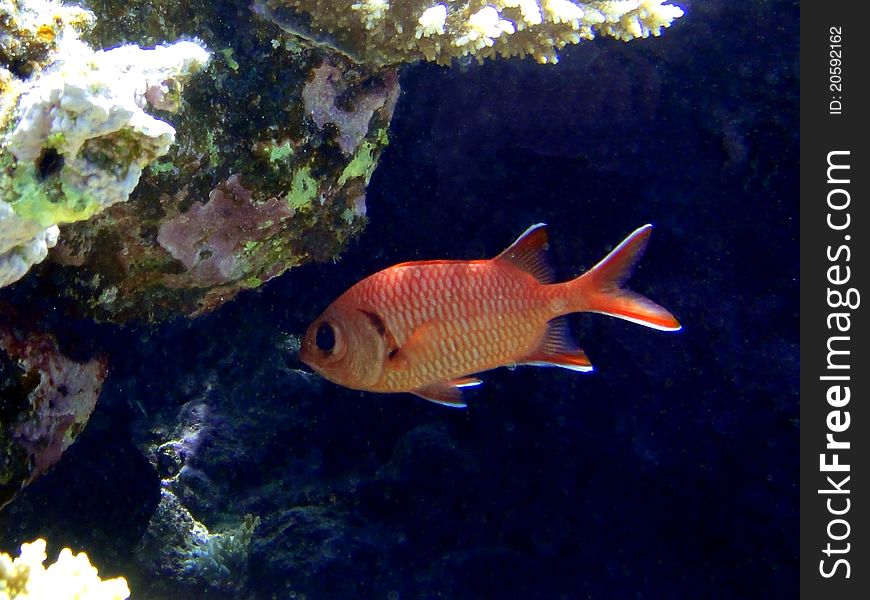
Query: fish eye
[[325, 338]]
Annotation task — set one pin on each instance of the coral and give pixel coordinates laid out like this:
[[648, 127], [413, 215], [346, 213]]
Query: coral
[[46, 402], [322, 93], [221, 241], [275, 118], [274, 130], [381, 32], [78, 136], [72, 577], [15, 262], [30, 31]]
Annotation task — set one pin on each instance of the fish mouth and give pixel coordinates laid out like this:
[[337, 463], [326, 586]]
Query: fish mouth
[[303, 354], [297, 362], [308, 357]]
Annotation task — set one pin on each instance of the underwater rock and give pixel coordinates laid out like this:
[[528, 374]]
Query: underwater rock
[[45, 402], [166, 543], [379, 32], [322, 544], [252, 438], [237, 448], [284, 129], [75, 135], [276, 142], [178, 552]]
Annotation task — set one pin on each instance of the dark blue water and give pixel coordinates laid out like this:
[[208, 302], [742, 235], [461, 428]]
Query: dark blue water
[[669, 472]]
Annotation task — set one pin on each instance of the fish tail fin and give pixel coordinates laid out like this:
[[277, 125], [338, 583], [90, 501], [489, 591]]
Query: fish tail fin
[[600, 289]]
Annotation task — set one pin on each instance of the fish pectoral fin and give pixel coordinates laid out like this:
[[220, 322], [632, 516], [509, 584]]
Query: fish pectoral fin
[[576, 360], [447, 393], [414, 347]]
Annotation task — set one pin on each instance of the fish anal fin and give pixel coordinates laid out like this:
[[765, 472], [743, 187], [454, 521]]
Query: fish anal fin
[[529, 253], [557, 349], [578, 361], [465, 382], [443, 392]]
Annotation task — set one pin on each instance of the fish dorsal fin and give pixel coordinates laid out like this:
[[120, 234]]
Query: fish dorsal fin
[[529, 253], [447, 393], [557, 349]]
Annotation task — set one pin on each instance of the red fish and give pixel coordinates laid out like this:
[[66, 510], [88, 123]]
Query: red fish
[[424, 327]]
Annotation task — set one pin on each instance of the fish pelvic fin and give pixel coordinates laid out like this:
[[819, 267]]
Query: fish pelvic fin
[[600, 289], [529, 253], [447, 393]]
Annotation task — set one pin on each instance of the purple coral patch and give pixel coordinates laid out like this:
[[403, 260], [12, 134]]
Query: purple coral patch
[[211, 239], [320, 94], [59, 397]]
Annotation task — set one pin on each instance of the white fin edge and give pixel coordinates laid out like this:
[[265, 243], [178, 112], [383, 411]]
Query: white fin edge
[[636, 321], [448, 404], [576, 368], [468, 384]]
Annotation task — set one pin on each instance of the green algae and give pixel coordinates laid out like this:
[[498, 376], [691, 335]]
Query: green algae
[[228, 56], [365, 160], [282, 153], [303, 189], [47, 202], [161, 167]]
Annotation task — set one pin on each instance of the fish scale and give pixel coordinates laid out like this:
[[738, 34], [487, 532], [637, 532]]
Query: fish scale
[[424, 326], [486, 328]]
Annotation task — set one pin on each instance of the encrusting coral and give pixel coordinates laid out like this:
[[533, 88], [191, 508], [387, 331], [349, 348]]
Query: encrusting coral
[[46, 399], [384, 32], [74, 136], [72, 577], [29, 39], [210, 239]]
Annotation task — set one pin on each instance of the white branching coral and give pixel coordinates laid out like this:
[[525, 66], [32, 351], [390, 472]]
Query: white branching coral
[[74, 136], [381, 32], [432, 21], [371, 11], [72, 577]]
